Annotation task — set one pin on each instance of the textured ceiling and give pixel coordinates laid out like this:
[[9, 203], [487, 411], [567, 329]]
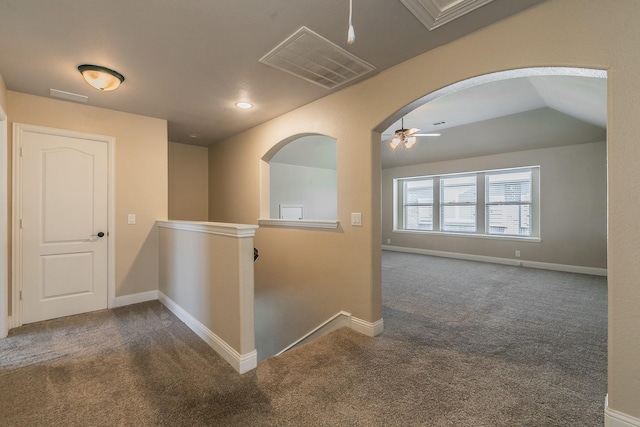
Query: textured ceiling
[[189, 61]]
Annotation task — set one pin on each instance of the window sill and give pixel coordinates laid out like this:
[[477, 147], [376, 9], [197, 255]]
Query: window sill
[[300, 223], [473, 236]]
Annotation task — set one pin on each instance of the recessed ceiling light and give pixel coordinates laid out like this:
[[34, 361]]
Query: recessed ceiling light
[[244, 105]]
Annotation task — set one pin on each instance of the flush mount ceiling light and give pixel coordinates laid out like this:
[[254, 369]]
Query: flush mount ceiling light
[[101, 78], [407, 137], [244, 105]]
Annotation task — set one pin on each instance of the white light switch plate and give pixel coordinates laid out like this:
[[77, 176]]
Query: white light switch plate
[[356, 219], [131, 219]]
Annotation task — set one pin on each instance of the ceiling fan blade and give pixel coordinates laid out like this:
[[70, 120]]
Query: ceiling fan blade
[[426, 134], [411, 131]]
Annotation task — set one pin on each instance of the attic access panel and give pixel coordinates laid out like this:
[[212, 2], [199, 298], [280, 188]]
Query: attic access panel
[[435, 13], [309, 56]]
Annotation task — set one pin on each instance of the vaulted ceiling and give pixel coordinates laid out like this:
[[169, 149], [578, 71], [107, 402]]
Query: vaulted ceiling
[[509, 115], [189, 61]]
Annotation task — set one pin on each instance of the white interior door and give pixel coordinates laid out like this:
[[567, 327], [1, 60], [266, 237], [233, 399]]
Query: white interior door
[[63, 224]]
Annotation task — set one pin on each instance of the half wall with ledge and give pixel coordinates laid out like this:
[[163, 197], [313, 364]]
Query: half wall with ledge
[[207, 281]]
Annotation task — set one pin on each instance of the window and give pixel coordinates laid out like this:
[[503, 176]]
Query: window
[[508, 203], [500, 203], [458, 204], [418, 204]]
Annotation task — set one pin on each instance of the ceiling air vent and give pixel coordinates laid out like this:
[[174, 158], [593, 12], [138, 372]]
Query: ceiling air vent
[[311, 57]]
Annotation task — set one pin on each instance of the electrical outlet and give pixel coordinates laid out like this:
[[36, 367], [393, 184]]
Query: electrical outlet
[[388, 241], [131, 219], [517, 254], [356, 219]]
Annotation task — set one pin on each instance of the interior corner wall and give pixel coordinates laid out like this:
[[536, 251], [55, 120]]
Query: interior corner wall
[[188, 182], [573, 207], [141, 177], [307, 274]]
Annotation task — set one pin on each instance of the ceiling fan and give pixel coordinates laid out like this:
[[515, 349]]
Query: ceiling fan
[[407, 137]]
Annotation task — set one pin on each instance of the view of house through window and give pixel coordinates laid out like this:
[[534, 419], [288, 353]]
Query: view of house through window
[[458, 203], [508, 203], [494, 202]]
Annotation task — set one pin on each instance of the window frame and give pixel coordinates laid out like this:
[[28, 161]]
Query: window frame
[[417, 204], [519, 203], [482, 217], [457, 204]]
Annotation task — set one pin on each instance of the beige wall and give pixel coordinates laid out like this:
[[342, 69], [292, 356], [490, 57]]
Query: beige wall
[[3, 94], [188, 182], [572, 33], [573, 205], [141, 177]]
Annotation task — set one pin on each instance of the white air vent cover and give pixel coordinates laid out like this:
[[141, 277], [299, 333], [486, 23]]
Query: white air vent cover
[[434, 13], [68, 95], [308, 55]]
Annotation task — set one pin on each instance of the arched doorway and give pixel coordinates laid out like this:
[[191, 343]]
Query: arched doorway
[[444, 324]]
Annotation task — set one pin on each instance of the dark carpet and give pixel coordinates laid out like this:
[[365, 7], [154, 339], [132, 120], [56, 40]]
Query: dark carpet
[[465, 344]]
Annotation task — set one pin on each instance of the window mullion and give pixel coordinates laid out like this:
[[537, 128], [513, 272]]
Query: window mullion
[[480, 203], [398, 204], [436, 203]]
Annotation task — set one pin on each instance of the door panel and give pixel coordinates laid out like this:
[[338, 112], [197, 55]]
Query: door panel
[[64, 207]]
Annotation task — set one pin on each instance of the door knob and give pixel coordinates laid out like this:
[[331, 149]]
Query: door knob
[[100, 234]]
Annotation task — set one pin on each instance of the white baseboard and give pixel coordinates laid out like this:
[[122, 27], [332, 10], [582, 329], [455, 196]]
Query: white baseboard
[[240, 362], [505, 261], [134, 298], [367, 328], [613, 418], [335, 322]]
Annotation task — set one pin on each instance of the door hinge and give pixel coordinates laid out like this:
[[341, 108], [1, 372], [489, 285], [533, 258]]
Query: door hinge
[[20, 222], [20, 295], [21, 152]]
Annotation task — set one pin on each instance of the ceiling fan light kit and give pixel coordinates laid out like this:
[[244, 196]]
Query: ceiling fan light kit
[[404, 137]]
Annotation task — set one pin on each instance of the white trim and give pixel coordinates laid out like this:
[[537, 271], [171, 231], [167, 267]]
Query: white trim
[[367, 328], [594, 271], [432, 15], [5, 319], [219, 228], [111, 223], [613, 418], [476, 235], [16, 236], [240, 362], [300, 223], [16, 281], [505, 261], [134, 299], [335, 322]]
